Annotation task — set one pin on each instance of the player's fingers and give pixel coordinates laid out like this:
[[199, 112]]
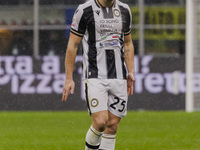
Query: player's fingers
[[72, 89], [65, 94], [132, 79], [132, 90], [128, 90], [62, 97]]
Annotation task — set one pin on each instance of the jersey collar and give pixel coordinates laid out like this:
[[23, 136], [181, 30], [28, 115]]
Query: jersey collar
[[100, 6]]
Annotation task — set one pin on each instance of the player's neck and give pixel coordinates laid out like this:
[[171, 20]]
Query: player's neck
[[106, 3]]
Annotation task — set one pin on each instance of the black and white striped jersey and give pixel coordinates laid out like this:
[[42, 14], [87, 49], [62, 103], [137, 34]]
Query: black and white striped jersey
[[103, 30]]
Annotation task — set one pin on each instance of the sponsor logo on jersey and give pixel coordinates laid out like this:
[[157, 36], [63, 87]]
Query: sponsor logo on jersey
[[98, 12], [104, 37], [115, 37], [100, 44], [109, 44]]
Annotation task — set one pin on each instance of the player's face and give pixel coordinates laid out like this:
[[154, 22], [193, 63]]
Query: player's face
[[109, 0], [106, 3]]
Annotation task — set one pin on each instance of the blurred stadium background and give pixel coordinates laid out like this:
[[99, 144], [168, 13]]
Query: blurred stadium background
[[33, 41]]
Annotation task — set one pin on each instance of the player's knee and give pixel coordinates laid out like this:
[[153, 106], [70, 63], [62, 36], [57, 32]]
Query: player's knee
[[99, 121], [101, 124], [112, 128]]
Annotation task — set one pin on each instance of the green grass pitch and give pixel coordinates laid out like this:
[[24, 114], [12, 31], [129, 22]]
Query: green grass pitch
[[66, 130]]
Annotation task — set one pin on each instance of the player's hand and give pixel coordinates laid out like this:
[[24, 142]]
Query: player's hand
[[130, 80], [68, 86]]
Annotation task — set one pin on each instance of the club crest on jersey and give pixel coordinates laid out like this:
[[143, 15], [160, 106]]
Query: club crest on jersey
[[94, 102], [116, 12]]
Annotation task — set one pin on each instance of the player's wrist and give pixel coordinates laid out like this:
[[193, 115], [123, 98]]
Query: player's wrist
[[131, 73], [69, 77]]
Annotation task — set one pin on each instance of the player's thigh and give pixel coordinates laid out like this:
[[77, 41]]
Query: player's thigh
[[100, 119], [96, 95], [113, 119], [118, 98]]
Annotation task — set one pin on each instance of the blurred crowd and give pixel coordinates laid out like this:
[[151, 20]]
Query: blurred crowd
[[46, 2], [20, 42], [54, 42]]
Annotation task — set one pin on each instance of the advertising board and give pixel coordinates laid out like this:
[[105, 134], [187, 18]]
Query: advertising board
[[28, 83]]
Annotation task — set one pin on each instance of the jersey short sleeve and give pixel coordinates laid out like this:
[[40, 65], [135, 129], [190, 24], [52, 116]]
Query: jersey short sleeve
[[78, 25], [128, 21]]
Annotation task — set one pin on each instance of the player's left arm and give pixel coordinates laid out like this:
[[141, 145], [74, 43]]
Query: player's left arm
[[129, 60]]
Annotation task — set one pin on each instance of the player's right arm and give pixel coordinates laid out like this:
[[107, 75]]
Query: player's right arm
[[72, 47], [78, 28]]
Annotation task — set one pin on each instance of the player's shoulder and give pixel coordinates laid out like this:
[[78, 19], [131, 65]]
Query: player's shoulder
[[122, 4]]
